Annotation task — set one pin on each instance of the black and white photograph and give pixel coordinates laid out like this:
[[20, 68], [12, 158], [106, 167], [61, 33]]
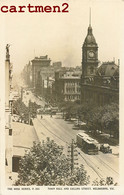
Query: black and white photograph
[[62, 65]]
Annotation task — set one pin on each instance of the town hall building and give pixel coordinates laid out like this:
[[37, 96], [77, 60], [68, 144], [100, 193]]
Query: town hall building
[[98, 84]]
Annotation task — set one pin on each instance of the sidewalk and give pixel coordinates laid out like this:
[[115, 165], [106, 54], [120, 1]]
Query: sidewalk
[[23, 137]]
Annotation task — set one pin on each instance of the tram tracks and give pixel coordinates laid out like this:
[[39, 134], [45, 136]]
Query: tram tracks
[[91, 163], [108, 166], [92, 166], [88, 161]]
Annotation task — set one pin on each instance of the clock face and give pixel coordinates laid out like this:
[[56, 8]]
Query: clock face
[[91, 54]]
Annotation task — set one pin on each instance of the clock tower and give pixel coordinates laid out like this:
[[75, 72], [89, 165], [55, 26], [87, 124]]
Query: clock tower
[[89, 54]]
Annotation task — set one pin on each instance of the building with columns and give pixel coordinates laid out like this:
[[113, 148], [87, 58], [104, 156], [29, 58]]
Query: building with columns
[[99, 84], [37, 65], [67, 85]]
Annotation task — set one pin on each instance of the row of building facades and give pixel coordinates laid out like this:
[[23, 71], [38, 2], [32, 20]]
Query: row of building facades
[[8, 110], [95, 81]]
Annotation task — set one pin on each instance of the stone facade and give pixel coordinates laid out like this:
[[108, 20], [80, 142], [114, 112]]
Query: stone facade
[[89, 54], [38, 72], [37, 65], [98, 84], [67, 86]]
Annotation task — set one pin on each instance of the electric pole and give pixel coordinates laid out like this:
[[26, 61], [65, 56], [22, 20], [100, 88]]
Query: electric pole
[[72, 154], [29, 112], [21, 93]]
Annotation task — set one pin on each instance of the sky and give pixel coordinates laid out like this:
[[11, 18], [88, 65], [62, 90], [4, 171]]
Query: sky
[[61, 35]]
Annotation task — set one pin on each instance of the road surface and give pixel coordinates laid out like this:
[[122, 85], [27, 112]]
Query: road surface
[[29, 96], [62, 132]]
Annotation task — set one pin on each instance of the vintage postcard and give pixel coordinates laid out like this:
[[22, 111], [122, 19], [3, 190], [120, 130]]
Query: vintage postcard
[[61, 97]]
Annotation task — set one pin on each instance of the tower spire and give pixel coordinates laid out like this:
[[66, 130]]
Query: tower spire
[[90, 28], [90, 17]]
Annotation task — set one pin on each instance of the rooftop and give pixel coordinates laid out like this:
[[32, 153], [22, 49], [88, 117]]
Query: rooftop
[[90, 39], [108, 69], [23, 137], [41, 58]]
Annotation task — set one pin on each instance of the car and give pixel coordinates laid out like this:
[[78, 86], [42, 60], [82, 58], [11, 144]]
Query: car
[[80, 124], [73, 119], [105, 148]]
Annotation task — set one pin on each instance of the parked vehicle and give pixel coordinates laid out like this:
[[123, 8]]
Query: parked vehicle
[[87, 144], [79, 124], [73, 119], [105, 148], [67, 117]]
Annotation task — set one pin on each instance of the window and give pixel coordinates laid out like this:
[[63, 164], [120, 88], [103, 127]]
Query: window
[[6, 162], [91, 70], [10, 131], [15, 163]]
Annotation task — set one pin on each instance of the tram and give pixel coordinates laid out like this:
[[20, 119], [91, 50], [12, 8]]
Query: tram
[[87, 144]]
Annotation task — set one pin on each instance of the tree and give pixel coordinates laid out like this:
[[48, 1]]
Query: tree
[[20, 108], [72, 109], [95, 119], [23, 111], [103, 118], [45, 164], [110, 118], [33, 108], [104, 182], [86, 113]]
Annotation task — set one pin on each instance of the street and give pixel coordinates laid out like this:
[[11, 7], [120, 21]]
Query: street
[[62, 132], [29, 96]]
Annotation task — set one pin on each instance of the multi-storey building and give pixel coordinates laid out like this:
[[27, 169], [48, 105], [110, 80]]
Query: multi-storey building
[[37, 65], [67, 85], [27, 74], [38, 72], [57, 65], [98, 84]]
